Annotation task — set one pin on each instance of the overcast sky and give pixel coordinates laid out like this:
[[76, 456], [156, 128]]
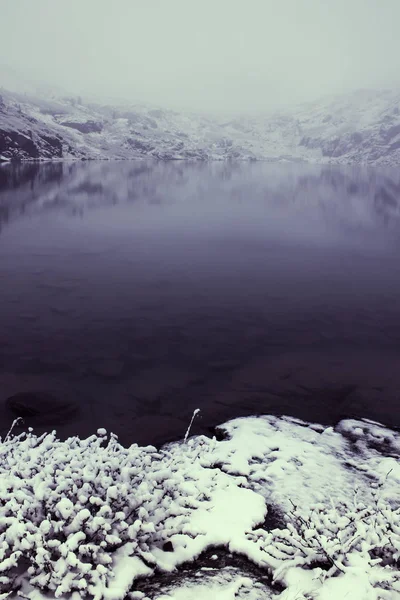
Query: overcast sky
[[204, 54]]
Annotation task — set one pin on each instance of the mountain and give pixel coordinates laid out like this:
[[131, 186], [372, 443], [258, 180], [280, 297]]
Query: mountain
[[363, 127]]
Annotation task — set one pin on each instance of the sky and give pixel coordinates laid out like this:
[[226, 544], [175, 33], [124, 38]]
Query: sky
[[212, 55]]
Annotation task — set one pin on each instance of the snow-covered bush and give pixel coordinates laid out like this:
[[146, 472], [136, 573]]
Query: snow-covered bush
[[67, 507], [338, 540], [73, 512], [90, 516]]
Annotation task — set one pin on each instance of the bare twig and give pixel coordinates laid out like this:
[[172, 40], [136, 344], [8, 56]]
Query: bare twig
[[195, 413], [14, 424]]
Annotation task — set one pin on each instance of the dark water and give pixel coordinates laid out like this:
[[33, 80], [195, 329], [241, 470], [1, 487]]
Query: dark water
[[138, 292]]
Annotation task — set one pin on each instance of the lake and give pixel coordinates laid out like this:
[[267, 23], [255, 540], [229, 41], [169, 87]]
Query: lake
[[133, 293]]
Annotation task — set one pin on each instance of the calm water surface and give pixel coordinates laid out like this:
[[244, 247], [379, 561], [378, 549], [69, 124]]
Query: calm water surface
[[137, 292]]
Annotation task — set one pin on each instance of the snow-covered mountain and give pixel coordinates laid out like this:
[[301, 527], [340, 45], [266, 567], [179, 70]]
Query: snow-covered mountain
[[363, 127]]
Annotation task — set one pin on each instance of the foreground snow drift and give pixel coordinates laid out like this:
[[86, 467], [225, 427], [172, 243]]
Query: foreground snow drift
[[316, 509]]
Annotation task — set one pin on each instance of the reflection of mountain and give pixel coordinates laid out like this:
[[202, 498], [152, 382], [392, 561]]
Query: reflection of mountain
[[355, 197], [22, 185]]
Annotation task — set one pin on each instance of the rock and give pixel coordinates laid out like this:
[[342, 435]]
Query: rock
[[40, 408], [51, 146], [23, 145], [14, 144], [140, 145], [168, 547], [84, 127]]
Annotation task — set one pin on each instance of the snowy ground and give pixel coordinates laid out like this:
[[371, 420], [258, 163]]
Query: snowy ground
[[312, 512]]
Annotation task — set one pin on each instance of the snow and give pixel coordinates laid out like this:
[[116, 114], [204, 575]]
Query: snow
[[221, 520], [93, 518], [205, 592], [356, 128]]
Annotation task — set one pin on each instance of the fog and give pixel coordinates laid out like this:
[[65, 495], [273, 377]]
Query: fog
[[231, 55]]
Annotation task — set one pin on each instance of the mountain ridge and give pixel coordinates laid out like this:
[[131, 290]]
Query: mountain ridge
[[362, 128]]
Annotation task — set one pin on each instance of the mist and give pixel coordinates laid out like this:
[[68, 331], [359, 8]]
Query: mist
[[224, 55]]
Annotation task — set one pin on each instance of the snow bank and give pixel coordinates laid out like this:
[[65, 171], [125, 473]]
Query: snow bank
[[92, 518], [240, 587]]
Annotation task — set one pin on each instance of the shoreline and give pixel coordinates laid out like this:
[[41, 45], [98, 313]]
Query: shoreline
[[282, 160], [309, 385]]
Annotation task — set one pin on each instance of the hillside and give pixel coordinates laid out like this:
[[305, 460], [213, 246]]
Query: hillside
[[363, 127]]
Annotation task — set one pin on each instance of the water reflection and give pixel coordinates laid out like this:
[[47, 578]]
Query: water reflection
[[163, 286], [353, 194]]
